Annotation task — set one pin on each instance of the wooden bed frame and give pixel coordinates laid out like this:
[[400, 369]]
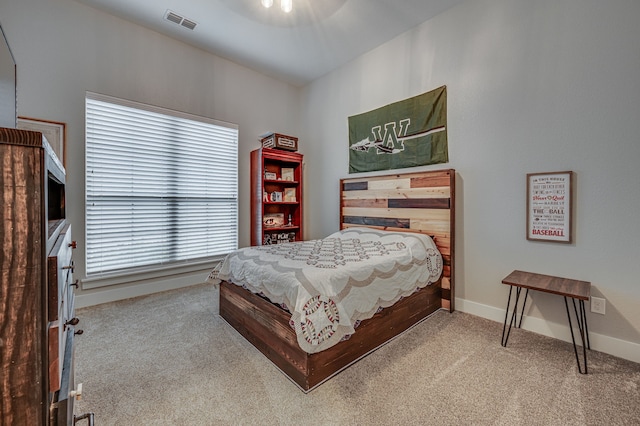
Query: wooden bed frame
[[412, 202]]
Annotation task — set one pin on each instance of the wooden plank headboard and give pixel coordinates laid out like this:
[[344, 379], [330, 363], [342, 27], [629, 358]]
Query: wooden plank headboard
[[410, 202]]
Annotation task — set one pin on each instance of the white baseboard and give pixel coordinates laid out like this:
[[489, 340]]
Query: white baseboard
[[599, 342]]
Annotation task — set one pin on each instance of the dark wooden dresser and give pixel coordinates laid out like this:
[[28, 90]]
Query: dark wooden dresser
[[37, 321]]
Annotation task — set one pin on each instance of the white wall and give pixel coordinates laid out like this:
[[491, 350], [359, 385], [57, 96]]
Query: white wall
[[63, 48], [533, 86]]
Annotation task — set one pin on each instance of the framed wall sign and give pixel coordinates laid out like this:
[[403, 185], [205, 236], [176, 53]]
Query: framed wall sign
[[54, 131], [549, 202]]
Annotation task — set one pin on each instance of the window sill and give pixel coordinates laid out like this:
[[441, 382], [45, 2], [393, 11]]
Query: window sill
[[129, 277]]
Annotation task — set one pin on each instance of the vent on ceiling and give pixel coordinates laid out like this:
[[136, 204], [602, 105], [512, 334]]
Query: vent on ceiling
[[180, 20]]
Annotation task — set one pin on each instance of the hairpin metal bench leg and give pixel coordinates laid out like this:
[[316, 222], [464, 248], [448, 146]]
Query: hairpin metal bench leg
[[583, 314], [513, 321], [582, 326]]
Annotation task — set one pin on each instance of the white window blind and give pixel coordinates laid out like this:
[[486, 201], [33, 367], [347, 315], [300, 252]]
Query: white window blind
[[161, 186]]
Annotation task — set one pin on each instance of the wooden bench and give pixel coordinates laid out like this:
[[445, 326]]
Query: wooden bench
[[576, 290]]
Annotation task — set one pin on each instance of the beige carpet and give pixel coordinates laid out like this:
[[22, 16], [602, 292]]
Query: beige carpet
[[167, 359]]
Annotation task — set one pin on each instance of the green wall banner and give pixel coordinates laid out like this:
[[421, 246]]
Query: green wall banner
[[408, 133]]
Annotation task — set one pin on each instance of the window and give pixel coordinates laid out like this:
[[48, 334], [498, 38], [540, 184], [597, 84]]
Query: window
[[161, 187]]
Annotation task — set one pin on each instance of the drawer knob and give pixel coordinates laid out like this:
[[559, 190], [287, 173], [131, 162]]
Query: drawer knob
[[77, 394], [73, 244], [89, 417], [71, 266], [72, 321]]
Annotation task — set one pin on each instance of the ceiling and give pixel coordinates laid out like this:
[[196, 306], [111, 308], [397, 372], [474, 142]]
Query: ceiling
[[317, 37]]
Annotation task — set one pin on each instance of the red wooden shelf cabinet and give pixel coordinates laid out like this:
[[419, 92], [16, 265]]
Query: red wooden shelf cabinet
[[276, 196]]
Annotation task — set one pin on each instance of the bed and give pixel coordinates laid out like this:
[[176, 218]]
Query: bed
[[394, 228]]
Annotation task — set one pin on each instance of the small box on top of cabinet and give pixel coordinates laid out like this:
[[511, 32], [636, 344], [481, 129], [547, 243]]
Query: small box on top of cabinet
[[279, 141]]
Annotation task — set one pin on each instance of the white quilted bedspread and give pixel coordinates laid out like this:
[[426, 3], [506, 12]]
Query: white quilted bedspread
[[330, 284]]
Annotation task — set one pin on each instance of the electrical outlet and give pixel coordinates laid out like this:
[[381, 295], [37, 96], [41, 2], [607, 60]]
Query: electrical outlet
[[598, 305]]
